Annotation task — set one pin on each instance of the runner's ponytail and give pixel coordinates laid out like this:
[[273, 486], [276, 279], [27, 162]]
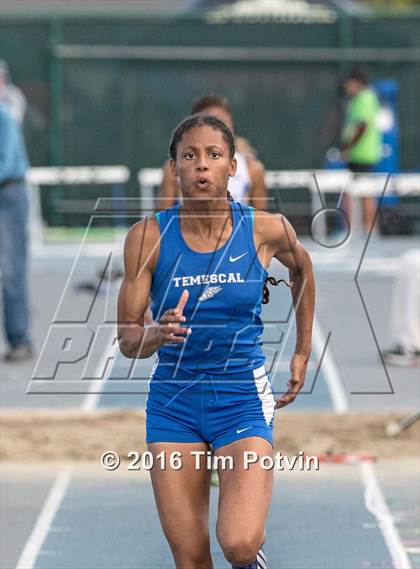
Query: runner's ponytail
[[272, 281]]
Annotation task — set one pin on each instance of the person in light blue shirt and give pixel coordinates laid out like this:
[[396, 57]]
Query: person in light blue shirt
[[14, 209]]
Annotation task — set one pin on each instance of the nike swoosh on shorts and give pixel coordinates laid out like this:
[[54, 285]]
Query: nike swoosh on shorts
[[242, 430]]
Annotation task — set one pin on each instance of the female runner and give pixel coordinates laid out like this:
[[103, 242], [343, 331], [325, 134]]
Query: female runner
[[204, 265]]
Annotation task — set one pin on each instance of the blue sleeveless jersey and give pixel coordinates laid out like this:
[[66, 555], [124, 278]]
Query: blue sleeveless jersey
[[225, 293]]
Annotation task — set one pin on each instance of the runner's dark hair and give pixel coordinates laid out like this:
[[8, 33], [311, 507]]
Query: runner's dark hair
[[201, 120], [210, 100], [275, 282]]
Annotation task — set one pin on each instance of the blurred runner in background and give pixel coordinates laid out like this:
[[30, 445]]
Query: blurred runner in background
[[247, 185], [361, 137]]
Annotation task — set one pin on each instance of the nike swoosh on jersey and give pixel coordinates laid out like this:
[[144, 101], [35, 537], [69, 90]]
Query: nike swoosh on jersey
[[242, 430], [233, 259]]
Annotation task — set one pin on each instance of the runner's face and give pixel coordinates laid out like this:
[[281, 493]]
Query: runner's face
[[221, 114], [203, 163]]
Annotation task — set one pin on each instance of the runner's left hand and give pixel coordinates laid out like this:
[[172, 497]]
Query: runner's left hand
[[298, 367]]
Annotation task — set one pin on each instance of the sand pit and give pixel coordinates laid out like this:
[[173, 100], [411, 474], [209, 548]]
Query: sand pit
[[28, 436]]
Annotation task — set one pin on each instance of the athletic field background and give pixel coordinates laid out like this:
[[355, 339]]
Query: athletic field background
[[108, 86]]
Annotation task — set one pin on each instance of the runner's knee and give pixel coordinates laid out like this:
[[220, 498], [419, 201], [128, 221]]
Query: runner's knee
[[241, 549], [191, 554]]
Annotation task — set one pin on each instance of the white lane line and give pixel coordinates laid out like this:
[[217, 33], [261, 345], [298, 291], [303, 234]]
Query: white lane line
[[44, 521], [52, 503], [374, 498], [107, 359], [96, 387], [376, 505], [330, 371]]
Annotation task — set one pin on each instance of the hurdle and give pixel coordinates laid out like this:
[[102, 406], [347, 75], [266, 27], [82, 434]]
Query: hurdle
[[318, 183], [66, 176]]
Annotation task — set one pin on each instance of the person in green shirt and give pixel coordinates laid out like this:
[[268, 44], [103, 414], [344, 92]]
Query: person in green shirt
[[361, 139]]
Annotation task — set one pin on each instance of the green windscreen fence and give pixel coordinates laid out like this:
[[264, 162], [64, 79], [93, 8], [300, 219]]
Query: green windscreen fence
[[119, 104]]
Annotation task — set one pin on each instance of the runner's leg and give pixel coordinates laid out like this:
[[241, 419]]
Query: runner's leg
[[244, 501], [182, 499]]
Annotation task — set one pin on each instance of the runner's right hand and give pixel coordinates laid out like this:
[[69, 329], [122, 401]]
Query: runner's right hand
[[169, 329]]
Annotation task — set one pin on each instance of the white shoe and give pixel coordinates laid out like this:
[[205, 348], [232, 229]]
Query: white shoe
[[19, 354], [401, 356]]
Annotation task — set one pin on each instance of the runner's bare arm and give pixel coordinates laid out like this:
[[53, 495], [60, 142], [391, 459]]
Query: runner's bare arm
[[168, 190], [136, 341], [291, 253], [258, 191], [281, 242], [140, 255]]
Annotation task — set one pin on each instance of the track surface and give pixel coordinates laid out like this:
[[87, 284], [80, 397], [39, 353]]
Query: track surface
[[317, 519]]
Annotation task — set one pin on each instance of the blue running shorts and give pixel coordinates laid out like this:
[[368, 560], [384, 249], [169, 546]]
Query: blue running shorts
[[214, 408]]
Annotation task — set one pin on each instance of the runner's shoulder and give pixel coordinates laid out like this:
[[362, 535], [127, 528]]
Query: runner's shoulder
[[255, 166], [142, 241], [269, 226]]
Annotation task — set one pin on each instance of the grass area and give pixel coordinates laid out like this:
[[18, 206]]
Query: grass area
[[76, 234]]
